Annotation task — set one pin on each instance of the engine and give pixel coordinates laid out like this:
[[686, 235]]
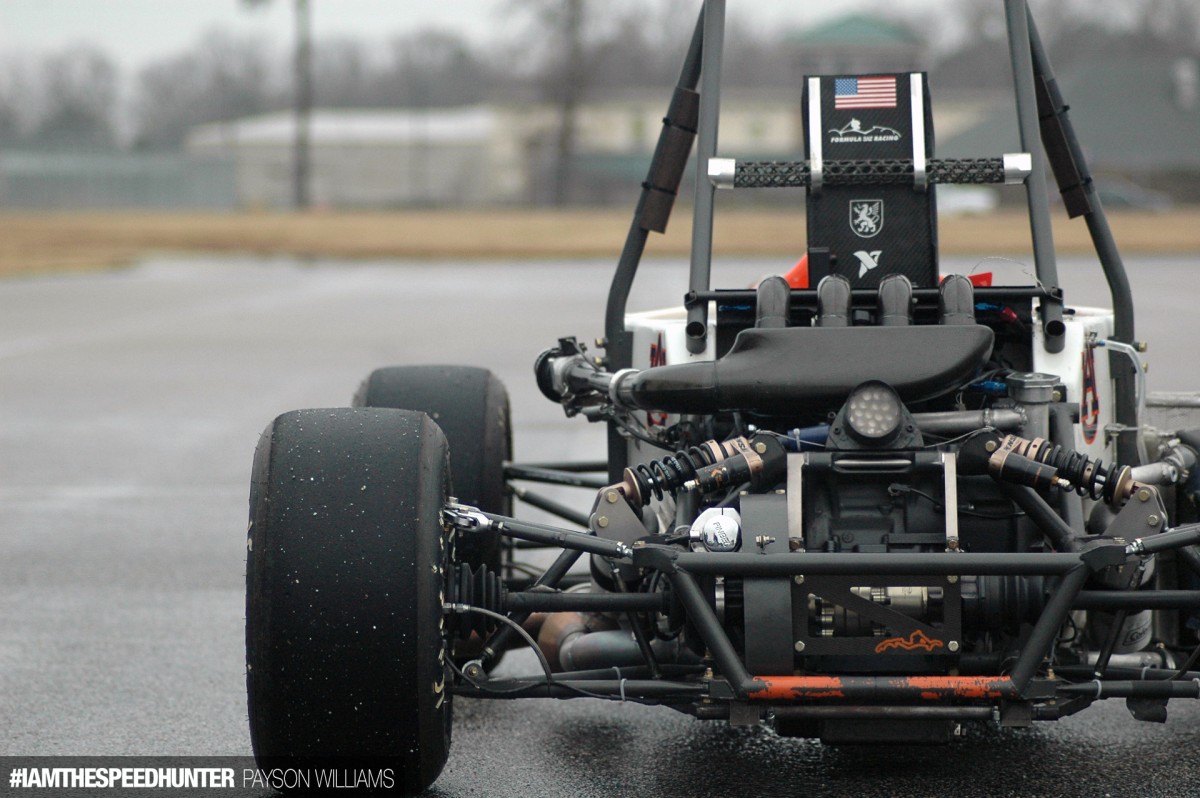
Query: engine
[[875, 479]]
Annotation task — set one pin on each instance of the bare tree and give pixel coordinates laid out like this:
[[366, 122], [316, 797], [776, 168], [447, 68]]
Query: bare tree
[[434, 67], [16, 102], [345, 75], [79, 93], [561, 27], [221, 78]]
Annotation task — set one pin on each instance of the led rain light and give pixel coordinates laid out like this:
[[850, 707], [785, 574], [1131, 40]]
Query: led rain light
[[874, 412]]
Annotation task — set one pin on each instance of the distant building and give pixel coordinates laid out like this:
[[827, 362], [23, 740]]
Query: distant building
[[857, 44], [473, 155], [1136, 116], [377, 158], [617, 139]]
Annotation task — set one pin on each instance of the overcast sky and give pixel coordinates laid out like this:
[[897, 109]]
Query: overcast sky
[[137, 31]]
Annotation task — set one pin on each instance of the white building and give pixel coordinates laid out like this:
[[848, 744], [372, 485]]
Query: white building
[[367, 158]]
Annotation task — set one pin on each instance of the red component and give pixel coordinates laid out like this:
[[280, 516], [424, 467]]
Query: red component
[[798, 276], [882, 688], [980, 280]]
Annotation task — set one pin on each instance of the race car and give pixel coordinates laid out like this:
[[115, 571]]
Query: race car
[[864, 501]]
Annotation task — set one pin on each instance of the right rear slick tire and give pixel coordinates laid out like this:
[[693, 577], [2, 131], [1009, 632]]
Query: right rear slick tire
[[345, 574], [471, 406]]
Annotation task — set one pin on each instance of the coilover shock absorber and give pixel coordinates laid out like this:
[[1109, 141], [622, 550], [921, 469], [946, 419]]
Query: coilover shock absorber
[[1041, 464], [708, 467]]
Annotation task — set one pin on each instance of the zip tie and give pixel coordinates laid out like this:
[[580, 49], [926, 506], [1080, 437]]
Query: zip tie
[[1144, 669], [623, 688], [618, 670], [1099, 687]]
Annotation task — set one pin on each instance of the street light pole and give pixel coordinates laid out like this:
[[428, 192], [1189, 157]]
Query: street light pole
[[301, 155]]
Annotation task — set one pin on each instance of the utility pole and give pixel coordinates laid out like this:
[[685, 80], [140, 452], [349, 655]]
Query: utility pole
[[572, 80], [301, 150]]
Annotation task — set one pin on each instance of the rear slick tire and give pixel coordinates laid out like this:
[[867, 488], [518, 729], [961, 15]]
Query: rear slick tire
[[345, 576], [471, 406]]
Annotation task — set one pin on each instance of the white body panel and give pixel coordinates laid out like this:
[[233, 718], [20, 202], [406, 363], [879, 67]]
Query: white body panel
[[1084, 327]]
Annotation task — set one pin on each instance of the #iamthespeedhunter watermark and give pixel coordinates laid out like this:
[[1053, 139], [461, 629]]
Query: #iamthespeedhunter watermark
[[251, 778]]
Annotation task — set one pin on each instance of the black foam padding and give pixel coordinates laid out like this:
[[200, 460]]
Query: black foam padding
[[798, 369], [873, 230]]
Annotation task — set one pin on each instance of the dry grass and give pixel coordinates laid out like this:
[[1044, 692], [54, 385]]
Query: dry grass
[[35, 243]]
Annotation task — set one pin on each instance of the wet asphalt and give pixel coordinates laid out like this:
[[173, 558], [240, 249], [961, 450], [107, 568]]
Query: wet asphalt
[[130, 404]]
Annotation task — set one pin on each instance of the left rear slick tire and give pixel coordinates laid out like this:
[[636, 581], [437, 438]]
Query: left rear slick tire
[[345, 578]]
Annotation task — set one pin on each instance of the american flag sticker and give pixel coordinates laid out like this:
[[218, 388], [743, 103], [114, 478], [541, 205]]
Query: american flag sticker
[[851, 93]]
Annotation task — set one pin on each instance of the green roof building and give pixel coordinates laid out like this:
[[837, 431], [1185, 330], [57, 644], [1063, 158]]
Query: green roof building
[[856, 44]]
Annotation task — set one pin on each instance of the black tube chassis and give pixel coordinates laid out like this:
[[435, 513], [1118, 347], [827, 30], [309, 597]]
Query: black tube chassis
[[1019, 692]]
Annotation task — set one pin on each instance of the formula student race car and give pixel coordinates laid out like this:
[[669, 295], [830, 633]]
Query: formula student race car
[[863, 502]]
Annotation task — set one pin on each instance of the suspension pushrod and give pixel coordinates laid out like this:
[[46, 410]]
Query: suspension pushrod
[[550, 506], [555, 536], [1136, 600], [547, 601], [554, 477], [576, 466], [849, 564]]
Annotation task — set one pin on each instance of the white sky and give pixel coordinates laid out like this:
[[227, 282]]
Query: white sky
[[135, 32]]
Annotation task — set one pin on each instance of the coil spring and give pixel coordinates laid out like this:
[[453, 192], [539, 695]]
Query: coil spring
[[1089, 477], [667, 475]]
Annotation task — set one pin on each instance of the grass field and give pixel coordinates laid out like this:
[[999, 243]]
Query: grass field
[[40, 243]]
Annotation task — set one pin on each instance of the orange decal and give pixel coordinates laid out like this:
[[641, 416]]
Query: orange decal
[[790, 687], [917, 639], [934, 687], [880, 688]]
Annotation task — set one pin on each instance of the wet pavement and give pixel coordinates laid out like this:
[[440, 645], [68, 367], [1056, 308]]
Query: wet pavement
[[130, 404]]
